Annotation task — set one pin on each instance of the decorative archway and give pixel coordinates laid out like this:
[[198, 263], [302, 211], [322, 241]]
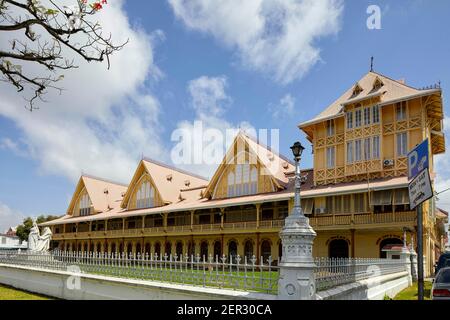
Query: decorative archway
[[113, 248], [99, 247], [217, 250], [147, 248], [129, 249], [338, 248], [138, 249], [266, 250], [168, 248], [232, 249], [204, 250], [248, 250], [179, 249], [158, 249], [388, 241]]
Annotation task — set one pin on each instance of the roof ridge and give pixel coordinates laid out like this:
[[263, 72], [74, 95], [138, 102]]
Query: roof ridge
[[85, 175], [147, 159], [255, 140], [396, 81]]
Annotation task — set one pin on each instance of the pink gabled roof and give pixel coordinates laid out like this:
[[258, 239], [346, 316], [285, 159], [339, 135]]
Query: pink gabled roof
[[105, 195], [392, 90]]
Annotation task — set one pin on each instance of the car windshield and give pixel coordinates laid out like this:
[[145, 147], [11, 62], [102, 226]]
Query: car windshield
[[443, 276]]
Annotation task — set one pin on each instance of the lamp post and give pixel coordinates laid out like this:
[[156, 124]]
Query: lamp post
[[297, 150], [296, 280]]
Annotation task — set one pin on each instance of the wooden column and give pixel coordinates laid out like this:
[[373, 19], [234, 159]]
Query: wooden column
[[222, 218], [192, 218], [143, 223], [258, 213], [106, 225], [258, 248], [165, 221], [123, 226], [353, 242]]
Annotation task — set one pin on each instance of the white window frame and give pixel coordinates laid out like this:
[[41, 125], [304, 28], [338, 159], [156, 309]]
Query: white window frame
[[243, 180], [358, 150], [401, 111], [366, 116], [330, 128], [367, 149], [350, 152], [376, 147], [402, 144], [349, 119], [358, 118], [376, 114], [331, 157]]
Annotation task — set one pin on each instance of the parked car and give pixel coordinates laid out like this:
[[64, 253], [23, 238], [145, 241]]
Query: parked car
[[441, 285], [444, 261]]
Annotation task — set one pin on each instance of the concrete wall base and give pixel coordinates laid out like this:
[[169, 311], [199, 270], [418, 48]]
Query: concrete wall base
[[371, 289]]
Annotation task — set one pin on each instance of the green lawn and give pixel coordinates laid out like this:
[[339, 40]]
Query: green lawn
[[411, 292], [8, 293]]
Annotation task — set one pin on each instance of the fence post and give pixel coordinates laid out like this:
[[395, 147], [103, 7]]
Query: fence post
[[414, 276], [296, 281], [405, 256]]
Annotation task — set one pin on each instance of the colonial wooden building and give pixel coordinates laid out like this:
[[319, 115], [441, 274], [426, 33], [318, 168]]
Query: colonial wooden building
[[355, 196]]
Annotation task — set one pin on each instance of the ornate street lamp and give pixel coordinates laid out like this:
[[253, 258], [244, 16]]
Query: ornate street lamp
[[297, 150], [296, 280]]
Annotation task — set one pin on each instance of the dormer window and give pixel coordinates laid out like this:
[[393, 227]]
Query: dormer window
[[357, 90], [243, 180], [85, 205], [145, 197], [377, 84]]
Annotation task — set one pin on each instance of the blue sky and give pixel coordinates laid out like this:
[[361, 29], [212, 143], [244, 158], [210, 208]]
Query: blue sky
[[412, 44]]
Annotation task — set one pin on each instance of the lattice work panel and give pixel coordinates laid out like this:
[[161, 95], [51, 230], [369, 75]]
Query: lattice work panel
[[349, 134], [388, 128], [389, 174], [320, 143], [358, 133], [415, 123], [340, 172], [401, 125], [376, 130], [331, 140], [402, 163], [367, 131], [349, 170], [340, 138], [331, 173], [320, 175], [340, 180], [402, 172], [375, 175]]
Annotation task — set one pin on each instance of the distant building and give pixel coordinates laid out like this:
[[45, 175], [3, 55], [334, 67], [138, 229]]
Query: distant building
[[11, 232], [8, 242]]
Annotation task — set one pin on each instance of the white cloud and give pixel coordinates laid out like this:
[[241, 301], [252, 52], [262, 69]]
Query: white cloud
[[284, 108], [209, 101], [104, 119], [9, 217], [276, 37]]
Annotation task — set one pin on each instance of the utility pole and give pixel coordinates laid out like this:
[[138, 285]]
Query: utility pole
[[420, 287]]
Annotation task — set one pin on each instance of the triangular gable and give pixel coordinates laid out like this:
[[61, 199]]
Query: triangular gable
[[104, 195], [167, 181], [272, 163], [391, 90]]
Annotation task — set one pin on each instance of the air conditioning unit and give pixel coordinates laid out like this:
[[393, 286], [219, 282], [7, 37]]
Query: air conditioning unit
[[388, 162]]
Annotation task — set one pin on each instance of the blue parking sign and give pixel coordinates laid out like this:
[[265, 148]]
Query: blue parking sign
[[418, 160]]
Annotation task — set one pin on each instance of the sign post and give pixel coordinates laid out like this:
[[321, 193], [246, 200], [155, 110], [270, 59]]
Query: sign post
[[420, 190]]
